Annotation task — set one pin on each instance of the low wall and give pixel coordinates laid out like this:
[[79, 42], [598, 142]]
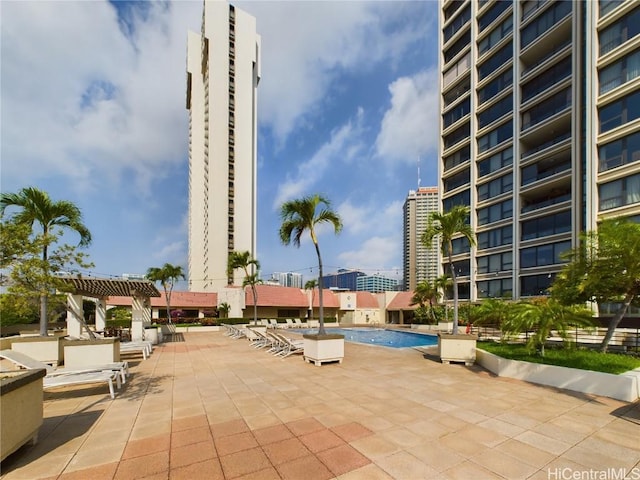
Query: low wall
[[43, 349], [624, 387], [86, 353]]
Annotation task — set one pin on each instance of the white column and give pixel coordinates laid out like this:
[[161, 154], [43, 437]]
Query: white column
[[74, 327], [140, 316], [101, 314]]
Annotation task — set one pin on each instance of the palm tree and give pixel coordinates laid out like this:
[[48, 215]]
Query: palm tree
[[167, 275], [301, 215], [244, 261], [425, 292], [447, 226], [443, 282], [38, 207], [542, 316], [311, 285]]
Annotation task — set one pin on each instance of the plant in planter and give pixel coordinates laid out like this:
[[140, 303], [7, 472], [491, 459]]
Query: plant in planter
[[446, 226], [244, 261], [302, 215]]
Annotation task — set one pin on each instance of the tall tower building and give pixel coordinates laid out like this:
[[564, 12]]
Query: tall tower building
[[223, 71], [420, 262], [540, 131]]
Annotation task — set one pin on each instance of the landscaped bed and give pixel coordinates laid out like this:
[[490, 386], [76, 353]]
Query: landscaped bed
[[583, 359]]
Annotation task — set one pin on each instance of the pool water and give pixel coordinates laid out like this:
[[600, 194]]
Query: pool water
[[382, 337]]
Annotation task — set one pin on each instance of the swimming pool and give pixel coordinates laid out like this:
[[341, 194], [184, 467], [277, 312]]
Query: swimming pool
[[382, 337]]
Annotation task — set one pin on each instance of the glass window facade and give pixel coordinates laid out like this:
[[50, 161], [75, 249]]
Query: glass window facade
[[619, 152], [536, 285], [495, 111], [496, 86], [547, 79], [499, 288], [624, 29], [457, 23], [544, 226], [494, 62], [620, 72], [495, 187], [495, 238], [544, 22], [495, 162], [457, 158], [497, 34], [494, 12], [495, 137], [456, 113], [496, 212], [620, 112], [541, 255], [619, 193], [548, 108], [498, 262], [462, 198]]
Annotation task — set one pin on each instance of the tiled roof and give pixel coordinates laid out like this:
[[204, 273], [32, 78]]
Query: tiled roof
[[329, 299], [276, 296], [366, 300], [402, 301]]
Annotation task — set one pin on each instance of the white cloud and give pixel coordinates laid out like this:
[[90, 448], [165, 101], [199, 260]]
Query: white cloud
[[409, 128], [303, 55], [82, 101], [374, 253], [309, 173], [359, 219]]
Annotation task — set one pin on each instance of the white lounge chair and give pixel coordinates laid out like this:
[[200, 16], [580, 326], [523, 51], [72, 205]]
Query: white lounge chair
[[64, 377], [144, 348], [299, 323], [290, 323], [287, 345]]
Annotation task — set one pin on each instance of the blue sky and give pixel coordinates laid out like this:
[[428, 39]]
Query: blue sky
[[93, 111]]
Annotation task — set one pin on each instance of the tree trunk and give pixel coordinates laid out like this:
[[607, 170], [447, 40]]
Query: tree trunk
[[321, 330], [455, 292], [44, 324], [255, 305], [615, 321]]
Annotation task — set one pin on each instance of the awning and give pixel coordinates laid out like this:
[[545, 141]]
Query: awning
[[107, 287]]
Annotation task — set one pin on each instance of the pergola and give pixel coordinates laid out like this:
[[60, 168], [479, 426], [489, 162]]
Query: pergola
[[100, 288]]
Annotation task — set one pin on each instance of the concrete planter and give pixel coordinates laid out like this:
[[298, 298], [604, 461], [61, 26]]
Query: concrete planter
[[624, 387], [445, 326], [457, 348], [20, 409], [151, 335], [320, 349], [43, 349]]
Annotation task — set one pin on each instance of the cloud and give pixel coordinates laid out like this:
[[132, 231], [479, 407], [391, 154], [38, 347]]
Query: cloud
[[301, 62], [93, 105], [375, 252], [409, 127], [358, 219], [343, 139]]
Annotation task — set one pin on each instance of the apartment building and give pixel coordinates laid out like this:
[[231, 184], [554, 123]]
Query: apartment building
[[376, 284], [420, 262], [540, 132], [223, 71]]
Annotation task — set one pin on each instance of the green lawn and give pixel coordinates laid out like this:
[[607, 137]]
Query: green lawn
[[574, 358]]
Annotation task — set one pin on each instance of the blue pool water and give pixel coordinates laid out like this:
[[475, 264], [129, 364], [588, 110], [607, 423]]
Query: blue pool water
[[382, 337]]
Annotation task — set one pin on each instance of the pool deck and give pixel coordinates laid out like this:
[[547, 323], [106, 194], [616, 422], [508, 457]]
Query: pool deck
[[212, 407]]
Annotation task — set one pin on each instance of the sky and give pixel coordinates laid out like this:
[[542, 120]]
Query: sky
[[93, 111]]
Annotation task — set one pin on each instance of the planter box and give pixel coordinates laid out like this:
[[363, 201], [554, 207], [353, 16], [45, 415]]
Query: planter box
[[445, 326], [624, 387], [20, 409], [151, 335], [84, 353], [457, 348], [323, 348], [43, 349]]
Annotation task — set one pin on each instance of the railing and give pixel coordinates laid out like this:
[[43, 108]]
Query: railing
[[623, 339]]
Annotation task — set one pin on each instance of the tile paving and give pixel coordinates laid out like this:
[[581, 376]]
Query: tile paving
[[211, 407]]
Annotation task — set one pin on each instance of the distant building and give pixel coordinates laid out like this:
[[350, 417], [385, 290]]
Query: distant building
[[223, 71], [376, 284], [344, 279], [287, 279], [420, 262]]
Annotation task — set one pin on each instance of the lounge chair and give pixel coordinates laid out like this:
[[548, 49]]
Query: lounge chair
[[273, 323], [290, 323], [299, 323], [65, 377], [288, 346], [142, 347]]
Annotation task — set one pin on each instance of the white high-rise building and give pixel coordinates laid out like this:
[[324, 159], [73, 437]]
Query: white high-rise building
[[540, 132], [287, 279], [420, 262], [223, 71]]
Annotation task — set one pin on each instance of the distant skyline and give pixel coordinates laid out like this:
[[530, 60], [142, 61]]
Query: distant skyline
[[93, 111]]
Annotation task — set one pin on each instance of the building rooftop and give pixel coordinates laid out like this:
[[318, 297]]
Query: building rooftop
[[212, 407]]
